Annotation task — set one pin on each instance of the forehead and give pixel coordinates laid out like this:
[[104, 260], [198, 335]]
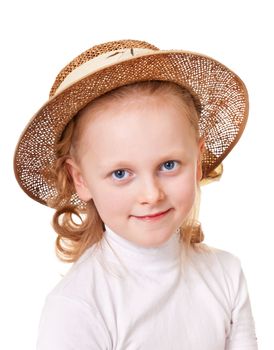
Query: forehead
[[136, 127], [116, 105]]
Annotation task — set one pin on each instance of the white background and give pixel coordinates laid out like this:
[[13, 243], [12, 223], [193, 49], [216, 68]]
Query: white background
[[38, 38]]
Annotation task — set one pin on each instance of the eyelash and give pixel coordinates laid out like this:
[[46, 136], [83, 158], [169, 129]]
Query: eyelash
[[124, 170]]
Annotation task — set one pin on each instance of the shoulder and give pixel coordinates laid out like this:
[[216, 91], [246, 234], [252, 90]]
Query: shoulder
[[78, 282], [70, 314], [212, 256], [229, 262], [218, 267]]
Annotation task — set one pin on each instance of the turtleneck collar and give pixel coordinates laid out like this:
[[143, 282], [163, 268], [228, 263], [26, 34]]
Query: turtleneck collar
[[132, 254]]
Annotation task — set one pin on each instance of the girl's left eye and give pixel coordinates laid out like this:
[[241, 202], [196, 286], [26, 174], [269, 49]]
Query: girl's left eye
[[169, 165]]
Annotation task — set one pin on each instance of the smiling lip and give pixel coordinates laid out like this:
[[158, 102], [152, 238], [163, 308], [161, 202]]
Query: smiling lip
[[153, 216]]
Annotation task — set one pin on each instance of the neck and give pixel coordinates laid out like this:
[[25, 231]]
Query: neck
[[132, 254]]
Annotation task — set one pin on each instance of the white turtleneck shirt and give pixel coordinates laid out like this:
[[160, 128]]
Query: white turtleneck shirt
[[125, 297]]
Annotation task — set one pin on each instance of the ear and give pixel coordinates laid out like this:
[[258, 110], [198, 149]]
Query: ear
[[78, 180], [201, 147]]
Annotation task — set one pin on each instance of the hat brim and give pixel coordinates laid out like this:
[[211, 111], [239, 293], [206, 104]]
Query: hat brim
[[222, 95]]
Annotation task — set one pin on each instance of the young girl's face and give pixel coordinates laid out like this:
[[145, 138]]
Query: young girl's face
[[138, 160]]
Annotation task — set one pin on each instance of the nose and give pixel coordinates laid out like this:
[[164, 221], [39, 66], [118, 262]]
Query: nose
[[150, 191]]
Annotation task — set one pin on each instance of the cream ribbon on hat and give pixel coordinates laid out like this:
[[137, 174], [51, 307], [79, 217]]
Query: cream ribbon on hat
[[99, 62]]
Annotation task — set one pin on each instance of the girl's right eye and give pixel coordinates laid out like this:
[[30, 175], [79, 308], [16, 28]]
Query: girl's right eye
[[120, 174]]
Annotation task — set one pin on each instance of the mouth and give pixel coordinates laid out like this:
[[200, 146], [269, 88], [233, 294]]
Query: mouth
[[155, 216]]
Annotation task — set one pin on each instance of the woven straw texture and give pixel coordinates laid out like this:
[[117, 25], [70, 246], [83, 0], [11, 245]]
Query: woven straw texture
[[222, 95]]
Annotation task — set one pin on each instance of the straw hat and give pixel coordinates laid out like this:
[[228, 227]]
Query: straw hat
[[222, 95]]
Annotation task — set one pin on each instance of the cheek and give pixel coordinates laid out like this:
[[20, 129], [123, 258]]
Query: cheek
[[110, 201], [184, 192]]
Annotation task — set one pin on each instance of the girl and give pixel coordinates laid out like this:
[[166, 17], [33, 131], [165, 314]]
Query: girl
[[119, 150]]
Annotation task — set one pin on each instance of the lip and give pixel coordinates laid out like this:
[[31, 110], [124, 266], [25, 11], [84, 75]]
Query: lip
[[152, 216]]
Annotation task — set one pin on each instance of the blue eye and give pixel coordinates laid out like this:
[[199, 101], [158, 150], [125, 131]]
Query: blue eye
[[169, 165], [122, 174], [119, 174]]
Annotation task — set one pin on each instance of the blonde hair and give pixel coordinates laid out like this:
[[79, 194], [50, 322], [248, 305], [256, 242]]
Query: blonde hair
[[78, 225]]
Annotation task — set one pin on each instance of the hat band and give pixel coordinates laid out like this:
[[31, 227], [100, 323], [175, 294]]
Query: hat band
[[99, 62]]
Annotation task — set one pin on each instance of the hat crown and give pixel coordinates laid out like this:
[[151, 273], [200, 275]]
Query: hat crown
[[97, 55]]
